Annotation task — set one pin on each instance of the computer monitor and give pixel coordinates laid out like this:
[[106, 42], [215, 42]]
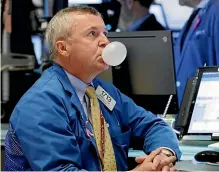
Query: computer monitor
[[147, 75], [204, 118], [37, 41], [182, 118]]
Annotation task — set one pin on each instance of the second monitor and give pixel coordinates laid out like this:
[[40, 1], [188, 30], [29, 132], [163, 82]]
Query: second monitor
[[147, 75]]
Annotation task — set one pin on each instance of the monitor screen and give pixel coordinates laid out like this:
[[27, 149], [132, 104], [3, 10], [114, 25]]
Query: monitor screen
[[38, 47], [205, 114], [147, 75]]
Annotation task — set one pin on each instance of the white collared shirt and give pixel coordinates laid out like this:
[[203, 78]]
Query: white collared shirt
[[80, 89]]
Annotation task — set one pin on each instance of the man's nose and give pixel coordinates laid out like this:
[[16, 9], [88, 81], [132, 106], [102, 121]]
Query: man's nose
[[104, 41]]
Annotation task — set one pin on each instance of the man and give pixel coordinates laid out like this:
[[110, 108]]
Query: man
[[135, 16], [59, 123], [198, 43]]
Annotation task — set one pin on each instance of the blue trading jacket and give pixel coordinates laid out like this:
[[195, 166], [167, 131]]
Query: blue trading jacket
[[47, 128]]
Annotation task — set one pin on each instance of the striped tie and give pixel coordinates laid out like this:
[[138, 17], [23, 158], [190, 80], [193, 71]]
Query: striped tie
[[103, 140]]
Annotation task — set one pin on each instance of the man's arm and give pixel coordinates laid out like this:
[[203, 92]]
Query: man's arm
[[43, 131], [155, 131]]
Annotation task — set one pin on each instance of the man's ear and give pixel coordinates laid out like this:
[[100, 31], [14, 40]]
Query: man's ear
[[62, 49]]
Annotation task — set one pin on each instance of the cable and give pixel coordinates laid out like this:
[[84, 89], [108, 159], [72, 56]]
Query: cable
[[167, 106]]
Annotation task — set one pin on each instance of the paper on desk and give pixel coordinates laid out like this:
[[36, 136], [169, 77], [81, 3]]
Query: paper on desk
[[3, 134], [214, 146]]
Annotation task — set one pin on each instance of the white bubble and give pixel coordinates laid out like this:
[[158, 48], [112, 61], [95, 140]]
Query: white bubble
[[114, 53]]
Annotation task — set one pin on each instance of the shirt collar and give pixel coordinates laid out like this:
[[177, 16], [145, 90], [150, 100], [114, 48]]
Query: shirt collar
[[138, 23], [79, 86], [202, 4]]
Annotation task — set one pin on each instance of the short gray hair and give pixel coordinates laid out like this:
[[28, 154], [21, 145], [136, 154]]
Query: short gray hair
[[61, 25]]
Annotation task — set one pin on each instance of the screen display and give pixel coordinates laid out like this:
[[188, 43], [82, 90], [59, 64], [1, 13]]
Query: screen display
[[38, 47], [205, 116]]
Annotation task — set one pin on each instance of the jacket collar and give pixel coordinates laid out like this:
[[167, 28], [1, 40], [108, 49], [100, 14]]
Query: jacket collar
[[63, 78]]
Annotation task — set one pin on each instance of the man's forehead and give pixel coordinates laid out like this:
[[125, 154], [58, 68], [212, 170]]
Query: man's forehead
[[87, 18], [87, 21]]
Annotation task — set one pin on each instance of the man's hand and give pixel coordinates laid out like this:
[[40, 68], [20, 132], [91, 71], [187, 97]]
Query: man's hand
[[145, 162], [163, 161], [159, 161]]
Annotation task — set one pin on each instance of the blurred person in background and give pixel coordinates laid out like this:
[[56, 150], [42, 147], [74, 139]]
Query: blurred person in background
[[6, 28], [198, 42], [135, 16]]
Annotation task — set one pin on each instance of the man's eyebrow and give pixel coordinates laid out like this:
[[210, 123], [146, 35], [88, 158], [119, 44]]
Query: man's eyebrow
[[96, 28], [91, 27]]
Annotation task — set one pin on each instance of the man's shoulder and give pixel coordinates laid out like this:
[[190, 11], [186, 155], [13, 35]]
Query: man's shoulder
[[213, 8], [47, 83]]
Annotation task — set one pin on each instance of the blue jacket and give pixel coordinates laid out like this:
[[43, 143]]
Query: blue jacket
[[49, 123], [201, 46]]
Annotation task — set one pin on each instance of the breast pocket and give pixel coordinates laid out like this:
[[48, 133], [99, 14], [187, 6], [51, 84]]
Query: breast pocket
[[206, 42], [121, 145], [201, 48]]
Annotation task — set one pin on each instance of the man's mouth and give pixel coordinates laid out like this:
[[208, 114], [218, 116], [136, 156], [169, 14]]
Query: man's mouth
[[100, 58]]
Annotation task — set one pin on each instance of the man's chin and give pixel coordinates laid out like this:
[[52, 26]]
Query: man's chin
[[103, 68]]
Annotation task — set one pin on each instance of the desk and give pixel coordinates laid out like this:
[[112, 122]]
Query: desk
[[188, 152], [186, 162], [187, 165], [4, 129]]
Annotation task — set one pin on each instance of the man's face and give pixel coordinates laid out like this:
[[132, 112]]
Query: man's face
[[87, 43]]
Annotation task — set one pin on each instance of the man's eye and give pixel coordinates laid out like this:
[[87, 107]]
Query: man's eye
[[92, 33], [105, 33]]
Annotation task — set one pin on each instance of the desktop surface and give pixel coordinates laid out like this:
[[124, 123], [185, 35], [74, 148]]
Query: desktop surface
[[185, 164]]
